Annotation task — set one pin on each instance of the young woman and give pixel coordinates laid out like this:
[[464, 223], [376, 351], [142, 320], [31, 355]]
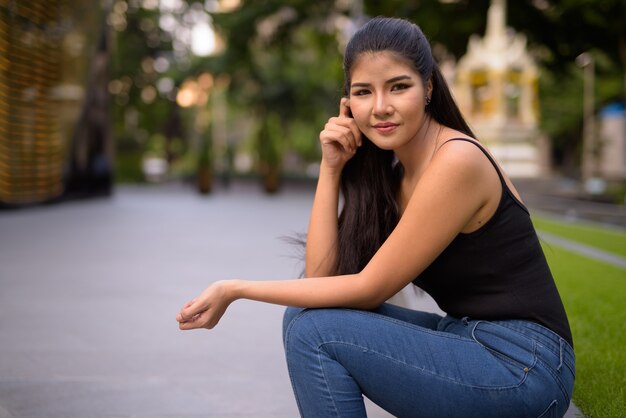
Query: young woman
[[424, 202]]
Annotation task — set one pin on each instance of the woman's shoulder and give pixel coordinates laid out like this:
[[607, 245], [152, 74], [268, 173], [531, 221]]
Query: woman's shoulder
[[462, 151], [464, 160], [472, 159]]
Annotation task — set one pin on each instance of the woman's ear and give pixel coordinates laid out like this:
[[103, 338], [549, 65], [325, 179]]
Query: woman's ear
[[429, 88]]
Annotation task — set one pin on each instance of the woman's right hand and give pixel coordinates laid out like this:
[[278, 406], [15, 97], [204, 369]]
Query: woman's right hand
[[340, 138]]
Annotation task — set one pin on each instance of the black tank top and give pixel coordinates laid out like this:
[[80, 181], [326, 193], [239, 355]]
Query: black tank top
[[497, 272]]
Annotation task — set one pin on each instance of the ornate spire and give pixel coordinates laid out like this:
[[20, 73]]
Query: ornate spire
[[495, 34]]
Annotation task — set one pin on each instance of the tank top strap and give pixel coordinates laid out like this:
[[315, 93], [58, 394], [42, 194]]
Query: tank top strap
[[480, 147], [505, 187]]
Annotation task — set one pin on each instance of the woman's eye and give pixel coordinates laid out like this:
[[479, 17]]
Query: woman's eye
[[361, 92], [400, 86]]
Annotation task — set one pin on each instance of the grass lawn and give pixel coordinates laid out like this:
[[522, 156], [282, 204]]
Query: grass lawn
[[594, 296], [603, 238]]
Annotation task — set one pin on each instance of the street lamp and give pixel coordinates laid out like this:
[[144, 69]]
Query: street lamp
[[590, 164]]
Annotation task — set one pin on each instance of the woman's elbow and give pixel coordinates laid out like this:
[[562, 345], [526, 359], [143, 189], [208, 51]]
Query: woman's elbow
[[369, 296]]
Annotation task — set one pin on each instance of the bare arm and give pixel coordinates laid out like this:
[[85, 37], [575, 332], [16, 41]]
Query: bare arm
[[449, 194], [339, 141], [321, 242]]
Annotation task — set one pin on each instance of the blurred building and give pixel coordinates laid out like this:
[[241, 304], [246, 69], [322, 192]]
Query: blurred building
[[611, 159], [54, 135], [496, 88]]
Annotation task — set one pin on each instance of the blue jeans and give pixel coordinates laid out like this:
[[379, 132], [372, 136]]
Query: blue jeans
[[417, 364]]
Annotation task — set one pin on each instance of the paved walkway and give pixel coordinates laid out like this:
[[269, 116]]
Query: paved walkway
[[584, 250], [90, 289]]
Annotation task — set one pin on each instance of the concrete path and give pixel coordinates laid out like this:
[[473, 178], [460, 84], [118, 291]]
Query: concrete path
[[584, 250], [89, 291]]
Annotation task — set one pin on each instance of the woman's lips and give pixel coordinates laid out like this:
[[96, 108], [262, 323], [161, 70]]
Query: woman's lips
[[385, 127]]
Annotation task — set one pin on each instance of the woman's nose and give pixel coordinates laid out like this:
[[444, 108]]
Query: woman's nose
[[382, 105]]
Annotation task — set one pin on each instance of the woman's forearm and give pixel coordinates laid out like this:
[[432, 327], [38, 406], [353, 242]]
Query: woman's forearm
[[348, 291], [322, 233]]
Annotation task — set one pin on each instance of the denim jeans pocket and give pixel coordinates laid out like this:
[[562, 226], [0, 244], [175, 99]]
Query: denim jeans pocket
[[512, 348]]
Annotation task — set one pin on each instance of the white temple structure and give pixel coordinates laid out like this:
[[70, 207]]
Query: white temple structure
[[496, 89]]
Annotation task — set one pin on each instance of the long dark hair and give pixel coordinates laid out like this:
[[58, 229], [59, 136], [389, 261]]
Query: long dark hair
[[370, 180]]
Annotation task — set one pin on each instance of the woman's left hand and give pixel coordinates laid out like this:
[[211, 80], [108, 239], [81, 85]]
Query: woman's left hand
[[206, 310]]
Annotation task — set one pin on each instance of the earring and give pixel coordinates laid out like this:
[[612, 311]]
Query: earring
[[427, 100]]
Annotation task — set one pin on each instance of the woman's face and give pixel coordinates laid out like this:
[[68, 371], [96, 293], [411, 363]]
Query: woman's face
[[387, 99]]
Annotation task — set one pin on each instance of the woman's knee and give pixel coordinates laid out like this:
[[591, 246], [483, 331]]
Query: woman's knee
[[312, 327], [309, 327], [290, 314]]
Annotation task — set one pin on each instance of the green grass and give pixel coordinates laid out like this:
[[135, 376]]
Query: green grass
[[603, 238], [594, 296]]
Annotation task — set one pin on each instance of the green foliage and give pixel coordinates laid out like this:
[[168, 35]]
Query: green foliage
[[128, 167], [561, 116], [303, 137], [558, 29], [144, 119], [592, 293], [270, 141], [283, 56], [156, 146], [434, 18], [284, 60], [576, 26]]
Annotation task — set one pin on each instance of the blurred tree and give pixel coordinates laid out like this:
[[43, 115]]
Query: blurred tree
[[284, 62], [283, 57], [144, 74]]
